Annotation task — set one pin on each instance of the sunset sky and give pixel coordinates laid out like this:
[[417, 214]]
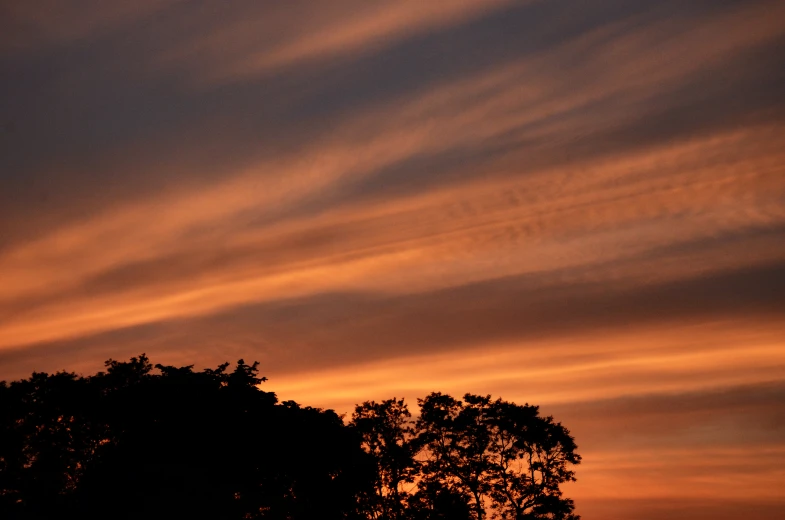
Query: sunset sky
[[574, 204]]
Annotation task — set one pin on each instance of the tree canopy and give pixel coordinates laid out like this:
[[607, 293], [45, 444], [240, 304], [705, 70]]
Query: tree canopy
[[143, 441]]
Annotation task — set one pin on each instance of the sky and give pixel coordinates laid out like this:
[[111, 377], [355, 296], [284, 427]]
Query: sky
[[574, 204]]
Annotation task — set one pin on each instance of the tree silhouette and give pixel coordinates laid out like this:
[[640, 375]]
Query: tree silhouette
[[498, 454], [386, 432], [127, 443], [436, 500], [456, 441], [136, 441]]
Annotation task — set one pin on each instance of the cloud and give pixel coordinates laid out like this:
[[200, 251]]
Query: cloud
[[85, 119], [451, 237], [240, 50], [716, 448], [680, 509], [29, 26]]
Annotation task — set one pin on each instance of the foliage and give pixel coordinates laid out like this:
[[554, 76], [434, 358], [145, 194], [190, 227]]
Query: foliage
[[498, 454], [137, 441], [387, 435], [127, 443]]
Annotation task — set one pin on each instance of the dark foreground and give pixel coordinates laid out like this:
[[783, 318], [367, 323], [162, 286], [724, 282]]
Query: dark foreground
[[138, 441]]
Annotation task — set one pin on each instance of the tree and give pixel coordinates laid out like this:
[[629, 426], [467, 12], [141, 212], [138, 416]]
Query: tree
[[141, 441], [435, 500], [456, 443], [45, 441], [500, 454], [386, 432], [130, 443]]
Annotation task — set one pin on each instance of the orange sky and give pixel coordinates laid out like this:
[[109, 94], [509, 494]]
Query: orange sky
[[576, 204]]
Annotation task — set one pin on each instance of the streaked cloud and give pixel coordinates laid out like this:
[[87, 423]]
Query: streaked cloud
[[239, 49]]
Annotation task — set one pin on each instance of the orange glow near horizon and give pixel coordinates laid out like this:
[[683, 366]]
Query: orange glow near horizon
[[573, 205]]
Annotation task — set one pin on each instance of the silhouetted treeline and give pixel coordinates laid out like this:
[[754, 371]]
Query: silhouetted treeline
[[131, 442]]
